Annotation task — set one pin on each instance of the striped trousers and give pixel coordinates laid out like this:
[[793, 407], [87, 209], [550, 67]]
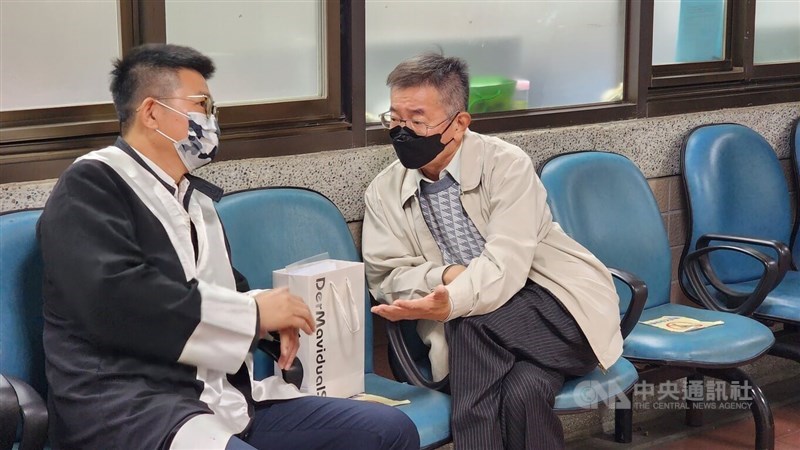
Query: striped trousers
[[506, 368]]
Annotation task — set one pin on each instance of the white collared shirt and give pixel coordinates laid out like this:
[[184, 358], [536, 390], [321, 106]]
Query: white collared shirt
[[179, 189], [453, 168]]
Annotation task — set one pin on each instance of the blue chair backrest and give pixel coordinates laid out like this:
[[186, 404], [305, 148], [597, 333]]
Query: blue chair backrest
[[603, 201], [271, 228], [21, 352], [795, 153], [734, 185]]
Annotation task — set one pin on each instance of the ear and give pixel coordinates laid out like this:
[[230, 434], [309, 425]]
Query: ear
[[457, 129], [460, 124], [463, 119], [145, 113]]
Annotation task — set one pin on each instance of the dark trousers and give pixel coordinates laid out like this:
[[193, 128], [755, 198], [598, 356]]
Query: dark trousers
[[328, 423], [507, 367]]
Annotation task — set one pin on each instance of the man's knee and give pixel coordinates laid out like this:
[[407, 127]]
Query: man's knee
[[396, 430], [520, 397], [528, 385], [404, 433]]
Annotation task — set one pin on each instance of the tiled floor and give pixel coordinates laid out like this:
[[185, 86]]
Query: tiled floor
[[740, 434], [721, 429]]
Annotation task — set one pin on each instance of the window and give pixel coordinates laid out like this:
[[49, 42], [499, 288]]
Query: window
[[694, 37], [263, 52], [266, 53], [69, 68], [689, 31], [305, 76], [698, 42], [55, 63], [279, 74], [521, 55], [777, 32]]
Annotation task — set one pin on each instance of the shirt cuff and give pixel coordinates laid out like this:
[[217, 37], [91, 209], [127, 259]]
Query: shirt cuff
[[252, 293], [460, 304]]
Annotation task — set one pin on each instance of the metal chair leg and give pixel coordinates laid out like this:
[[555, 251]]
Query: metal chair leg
[[762, 414], [694, 415], [623, 419]]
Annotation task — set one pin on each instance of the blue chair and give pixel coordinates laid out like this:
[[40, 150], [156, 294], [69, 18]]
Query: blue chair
[[795, 155], [738, 197], [22, 380], [604, 202], [273, 227]]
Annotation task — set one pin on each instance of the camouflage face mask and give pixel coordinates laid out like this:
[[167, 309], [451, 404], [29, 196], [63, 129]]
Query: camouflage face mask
[[202, 143]]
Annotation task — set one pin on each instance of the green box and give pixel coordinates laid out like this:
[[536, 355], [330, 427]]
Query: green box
[[490, 93]]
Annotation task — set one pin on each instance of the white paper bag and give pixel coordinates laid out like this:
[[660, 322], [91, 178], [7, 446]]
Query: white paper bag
[[333, 356]]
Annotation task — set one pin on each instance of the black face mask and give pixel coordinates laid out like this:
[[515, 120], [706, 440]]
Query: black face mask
[[415, 151]]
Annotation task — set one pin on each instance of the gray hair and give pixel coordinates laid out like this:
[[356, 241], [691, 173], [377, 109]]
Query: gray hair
[[448, 75]]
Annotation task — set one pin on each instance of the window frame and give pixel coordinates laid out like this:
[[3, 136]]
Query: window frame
[[734, 82], [43, 130], [736, 71], [627, 108], [251, 119], [39, 144], [727, 69]]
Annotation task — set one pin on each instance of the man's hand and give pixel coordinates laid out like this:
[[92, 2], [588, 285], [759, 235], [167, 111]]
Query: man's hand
[[290, 343], [434, 306], [279, 310]]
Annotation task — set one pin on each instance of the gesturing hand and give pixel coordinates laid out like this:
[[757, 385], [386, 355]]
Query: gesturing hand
[[434, 306], [290, 343], [280, 310]]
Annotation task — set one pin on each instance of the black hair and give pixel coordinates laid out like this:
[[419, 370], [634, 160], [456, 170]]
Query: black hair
[[151, 70]]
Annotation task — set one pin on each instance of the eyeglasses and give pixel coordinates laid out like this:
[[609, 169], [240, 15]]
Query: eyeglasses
[[389, 121], [205, 101]]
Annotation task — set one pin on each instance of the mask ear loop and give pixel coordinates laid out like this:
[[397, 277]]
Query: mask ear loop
[[162, 133], [173, 110], [447, 128]]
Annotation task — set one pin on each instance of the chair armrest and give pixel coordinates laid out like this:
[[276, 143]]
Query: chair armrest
[[9, 414], [34, 413], [294, 374], [397, 345], [698, 267], [638, 298], [783, 251]]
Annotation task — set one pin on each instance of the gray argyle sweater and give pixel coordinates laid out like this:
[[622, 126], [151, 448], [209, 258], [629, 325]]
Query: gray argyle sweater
[[454, 233]]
